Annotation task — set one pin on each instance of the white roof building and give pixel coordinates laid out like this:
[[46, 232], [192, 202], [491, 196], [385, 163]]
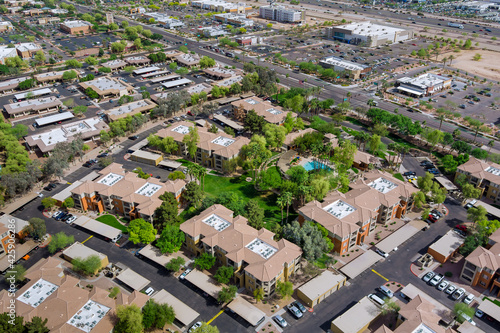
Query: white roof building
[[372, 34]]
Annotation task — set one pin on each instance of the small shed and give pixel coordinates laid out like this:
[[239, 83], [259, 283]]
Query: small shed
[[133, 279], [146, 157], [445, 247], [319, 288]]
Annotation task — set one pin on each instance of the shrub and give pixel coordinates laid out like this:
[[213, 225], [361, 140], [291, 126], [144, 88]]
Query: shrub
[[448, 274]]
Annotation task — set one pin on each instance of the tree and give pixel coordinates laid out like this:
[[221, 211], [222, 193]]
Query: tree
[[255, 214], [80, 109], [191, 140], [118, 47], [425, 183], [204, 261], [48, 203], [308, 237], [227, 294], [91, 61], [129, 317], [253, 122], [205, 328], [176, 175], [419, 199], [87, 266], [157, 315], [460, 310], [374, 143], [141, 231], [470, 192], [17, 273], [171, 239], [175, 264], [68, 203], [37, 325], [224, 274], [468, 44], [73, 63], [284, 289], [206, 62], [476, 214], [275, 135], [193, 194], [60, 241], [40, 57], [258, 294], [36, 227]]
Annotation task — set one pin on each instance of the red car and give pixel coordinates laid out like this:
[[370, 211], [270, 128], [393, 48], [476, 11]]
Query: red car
[[461, 227], [414, 44], [432, 218]]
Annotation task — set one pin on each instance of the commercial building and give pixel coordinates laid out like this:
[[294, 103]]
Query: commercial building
[[258, 260], [58, 11], [33, 106], [222, 6], [349, 69], [211, 31], [48, 20], [228, 82], [368, 34], [108, 87], [219, 73], [165, 20], [357, 318], [249, 40], [137, 60], [485, 175], [10, 85], [27, 50], [281, 14], [78, 250], [423, 85], [188, 60], [87, 129], [64, 301], [198, 88], [318, 289], [272, 114], [115, 65], [349, 217], [214, 149], [124, 193], [76, 27], [137, 10], [50, 76], [130, 109], [7, 52], [237, 20], [33, 12], [6, 26], [445, 247]]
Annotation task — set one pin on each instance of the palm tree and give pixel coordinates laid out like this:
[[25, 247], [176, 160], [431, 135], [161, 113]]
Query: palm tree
[[491, 144], [349, 95], [370, 102], [444, 60], [440, 117], [287, 199], [450, 58], [282, 205]]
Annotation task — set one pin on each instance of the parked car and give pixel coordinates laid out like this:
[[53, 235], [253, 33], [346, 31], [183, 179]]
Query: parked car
[[103, 155], [149, 291], [280, 321], [52, 185], [67, 217], [436, 280], [470, 204], [427, 277], [183, 275], [133, 137], [469, 299], [437, 212], [461, 227], [409, 173], [442, 286], [195, 326], [479, 313], [294, 311], [299, 306], [47, 188], [71, 219], [61, 216], [56, 214], [458, 294], [451, 288], [382, 253]]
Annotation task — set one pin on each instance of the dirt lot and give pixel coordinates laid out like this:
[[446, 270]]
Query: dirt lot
[[487, 67]]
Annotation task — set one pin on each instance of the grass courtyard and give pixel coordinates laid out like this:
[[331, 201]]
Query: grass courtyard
[[112, 221]]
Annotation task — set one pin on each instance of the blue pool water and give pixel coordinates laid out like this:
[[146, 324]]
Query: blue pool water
[[310, 166]]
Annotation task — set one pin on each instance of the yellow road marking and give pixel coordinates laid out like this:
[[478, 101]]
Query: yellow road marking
[[87, 239], [211, 320], [383, 277]]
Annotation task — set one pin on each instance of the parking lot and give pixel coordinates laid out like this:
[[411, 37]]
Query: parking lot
[[69, 43]]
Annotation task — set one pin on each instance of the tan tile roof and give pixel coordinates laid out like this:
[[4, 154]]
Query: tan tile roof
[[290, 138], [362, 157], [484, 258], [477, 168], [235, 238], [417, 312], [260, 107], [128, 185], [206, 139]]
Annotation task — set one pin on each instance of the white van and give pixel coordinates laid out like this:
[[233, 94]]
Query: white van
[[386, 291], [377, 300]]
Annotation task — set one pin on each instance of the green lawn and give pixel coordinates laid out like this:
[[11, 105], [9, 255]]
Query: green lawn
[[399, 176], [321, 262], [214, 185], [112, 221]]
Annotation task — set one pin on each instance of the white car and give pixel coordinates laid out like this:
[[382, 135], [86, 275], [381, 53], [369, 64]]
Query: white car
[[149, 291], [442, 286], [195, 326], [458, 294], [451, 288], [71, 219], [469, 299], [436, 280]]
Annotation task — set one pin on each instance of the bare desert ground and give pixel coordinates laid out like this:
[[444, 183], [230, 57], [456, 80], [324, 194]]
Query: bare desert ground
[[488, 67]]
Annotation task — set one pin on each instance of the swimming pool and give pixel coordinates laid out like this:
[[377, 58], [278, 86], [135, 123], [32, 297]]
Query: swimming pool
[[310, 166]]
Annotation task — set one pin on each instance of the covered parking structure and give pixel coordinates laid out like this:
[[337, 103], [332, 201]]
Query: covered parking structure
[[98, 228], [169, 165], [54, 118], [204, 282], [132, 279], [20, 251], [446, 184], [184, 315], [247, 311], [154, 254], [401, 235], [490, 308], [360, 264]]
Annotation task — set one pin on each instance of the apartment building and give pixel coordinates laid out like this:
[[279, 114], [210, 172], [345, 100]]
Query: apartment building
[[10, 228], [124, 193], [281, 14], [187, 60], [350, 217], [65, 302], [258, 260], [10, 85], [214, 149], [76, 27], [272, 114], [485, 175]]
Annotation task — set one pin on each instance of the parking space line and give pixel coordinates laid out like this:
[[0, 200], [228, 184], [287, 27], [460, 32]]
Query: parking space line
[[383, 277], [87, 239], [211, 320]]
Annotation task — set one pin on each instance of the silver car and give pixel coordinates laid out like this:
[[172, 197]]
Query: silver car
[[427, 277], [436, 279], [458, 294], [282, 322], [451, 288], [442, 286]]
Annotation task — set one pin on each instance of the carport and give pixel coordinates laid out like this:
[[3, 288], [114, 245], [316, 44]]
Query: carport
[[401, 235], [154, 254], [204, 282], [491, 309], [20, 251], [360, 264], [169, 165], [446, 184], [247, 311], [132, 279], [183, 313]]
